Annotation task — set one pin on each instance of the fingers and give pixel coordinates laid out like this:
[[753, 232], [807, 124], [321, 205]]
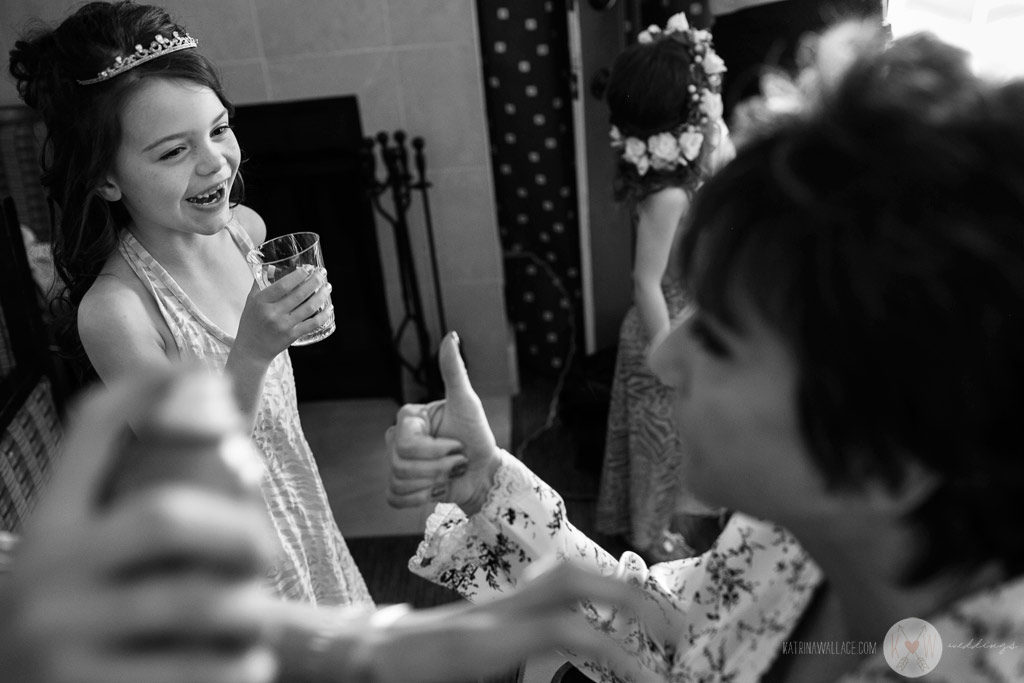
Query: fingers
[[305, 289], [256, 665], [575, 583], [317, 322], [410, 410], [410, 439], [287, 284], [433, 414], [437, 493], [180, 525], [565, 584], [189, 608], [417, 482], [96, 428], [76, 632], [421, 466], [433, 471], [316, 303]]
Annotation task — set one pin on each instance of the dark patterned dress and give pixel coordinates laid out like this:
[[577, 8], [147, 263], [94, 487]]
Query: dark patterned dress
[[640, 483], [640, 487]]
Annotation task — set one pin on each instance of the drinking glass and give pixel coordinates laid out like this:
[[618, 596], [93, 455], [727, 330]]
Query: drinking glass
[[277, 257]]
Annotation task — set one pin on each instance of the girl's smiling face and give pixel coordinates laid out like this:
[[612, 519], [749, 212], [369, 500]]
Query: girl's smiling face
[[177, 159]]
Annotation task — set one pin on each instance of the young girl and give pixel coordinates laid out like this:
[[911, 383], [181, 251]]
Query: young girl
[[666, 115], [151, 245]]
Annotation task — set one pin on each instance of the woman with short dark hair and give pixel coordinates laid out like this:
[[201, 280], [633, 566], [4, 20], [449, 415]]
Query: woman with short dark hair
[[851, 368]]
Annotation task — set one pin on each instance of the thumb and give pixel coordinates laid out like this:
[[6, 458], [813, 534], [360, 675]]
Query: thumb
[[453, 370]]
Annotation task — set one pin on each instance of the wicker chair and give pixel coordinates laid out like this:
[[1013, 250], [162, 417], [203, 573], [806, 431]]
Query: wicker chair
[[29, 407]]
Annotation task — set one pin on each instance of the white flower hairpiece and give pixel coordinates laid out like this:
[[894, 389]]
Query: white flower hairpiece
[[662, 151], [668, 150]]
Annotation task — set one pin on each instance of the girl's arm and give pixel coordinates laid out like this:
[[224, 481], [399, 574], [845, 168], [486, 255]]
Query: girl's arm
[[117, 331], [246, 372], [659, 217], [271, 320]]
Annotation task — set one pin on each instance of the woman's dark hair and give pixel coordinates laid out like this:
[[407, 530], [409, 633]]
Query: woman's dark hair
[[882, 235], [83, 127], [647, 94]]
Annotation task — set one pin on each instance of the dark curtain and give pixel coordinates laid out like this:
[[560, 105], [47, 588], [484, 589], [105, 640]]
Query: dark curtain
[[529, 109]]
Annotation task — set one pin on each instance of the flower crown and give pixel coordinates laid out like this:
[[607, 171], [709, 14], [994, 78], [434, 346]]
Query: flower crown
[[159, 47], [679, 147]]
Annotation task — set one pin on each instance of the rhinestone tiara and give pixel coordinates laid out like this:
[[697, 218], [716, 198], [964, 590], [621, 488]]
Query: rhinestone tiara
[[159, 47]]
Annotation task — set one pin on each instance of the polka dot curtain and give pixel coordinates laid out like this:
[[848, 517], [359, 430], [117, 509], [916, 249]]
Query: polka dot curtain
[[529, 109]]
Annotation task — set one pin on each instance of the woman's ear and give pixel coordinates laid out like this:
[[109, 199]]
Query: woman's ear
[[109, 190], [918, 484]]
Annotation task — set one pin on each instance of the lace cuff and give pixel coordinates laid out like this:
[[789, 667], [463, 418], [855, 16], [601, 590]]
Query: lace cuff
[[521, 520]]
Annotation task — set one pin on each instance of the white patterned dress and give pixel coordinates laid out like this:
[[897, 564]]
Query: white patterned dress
[[314, 565], [720, 617]]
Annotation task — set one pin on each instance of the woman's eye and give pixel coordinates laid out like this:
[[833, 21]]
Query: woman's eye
[[708, 339], [172, 153], [221, 129]]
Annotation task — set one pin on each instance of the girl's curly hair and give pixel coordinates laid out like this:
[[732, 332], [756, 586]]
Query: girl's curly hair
[[83, 130]]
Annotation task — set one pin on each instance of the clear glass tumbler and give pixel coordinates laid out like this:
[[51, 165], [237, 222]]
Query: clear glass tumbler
[[277, 257]]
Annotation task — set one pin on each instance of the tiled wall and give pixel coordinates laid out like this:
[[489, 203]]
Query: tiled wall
[[414, 65]]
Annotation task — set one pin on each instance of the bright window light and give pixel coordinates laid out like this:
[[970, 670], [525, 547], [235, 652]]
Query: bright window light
[[991, 30]]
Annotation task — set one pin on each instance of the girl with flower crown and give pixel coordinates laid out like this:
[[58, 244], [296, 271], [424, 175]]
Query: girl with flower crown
[[666, 115], [151, 246]]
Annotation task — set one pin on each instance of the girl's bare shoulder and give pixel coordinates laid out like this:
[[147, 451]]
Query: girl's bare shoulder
[[117, 303], [252, 223]]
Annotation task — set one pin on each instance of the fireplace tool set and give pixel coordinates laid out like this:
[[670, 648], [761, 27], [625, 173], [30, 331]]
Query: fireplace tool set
[[398, 180]]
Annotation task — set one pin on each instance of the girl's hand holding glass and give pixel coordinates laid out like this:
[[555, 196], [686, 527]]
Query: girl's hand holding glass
[[277, 257], [273, 318]]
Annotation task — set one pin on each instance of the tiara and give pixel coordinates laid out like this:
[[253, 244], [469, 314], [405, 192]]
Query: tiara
[[159, 47], [679, 147]]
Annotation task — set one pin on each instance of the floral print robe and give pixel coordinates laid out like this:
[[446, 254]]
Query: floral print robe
[[722, 616]]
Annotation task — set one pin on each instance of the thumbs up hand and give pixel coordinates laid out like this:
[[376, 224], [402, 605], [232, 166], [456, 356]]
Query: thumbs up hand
[[443, 451]]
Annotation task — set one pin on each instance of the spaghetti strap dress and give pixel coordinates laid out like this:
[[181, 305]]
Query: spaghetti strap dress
[[314, 564]]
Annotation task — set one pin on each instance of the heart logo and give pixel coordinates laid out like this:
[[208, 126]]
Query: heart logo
[[913, 647]]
